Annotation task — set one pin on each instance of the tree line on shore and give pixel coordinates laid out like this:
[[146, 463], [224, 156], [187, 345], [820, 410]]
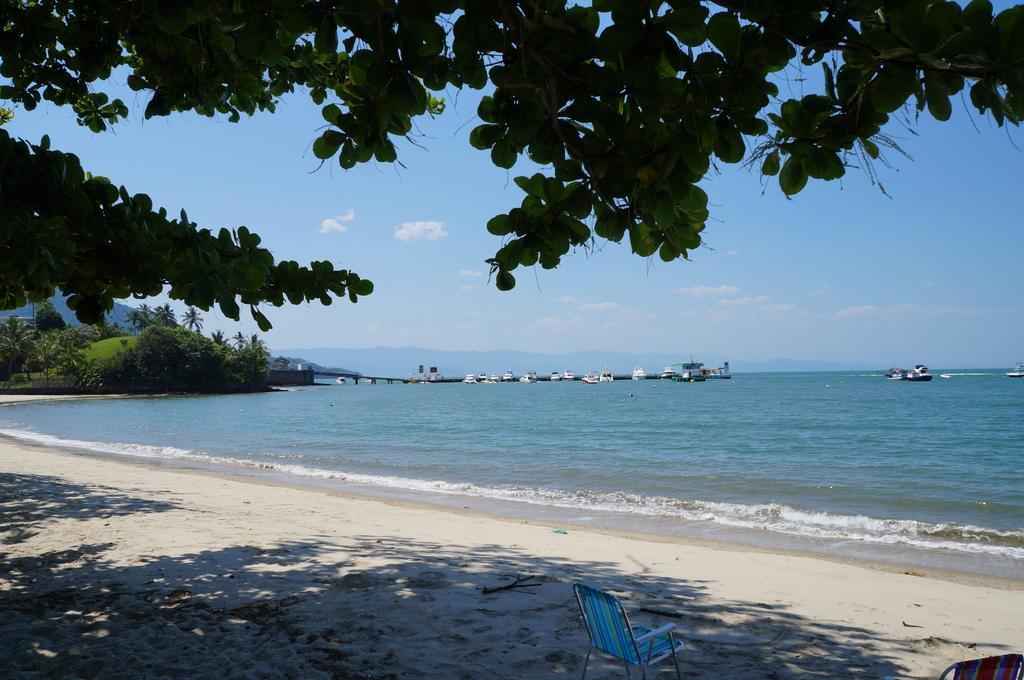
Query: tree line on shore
[[157, 352]]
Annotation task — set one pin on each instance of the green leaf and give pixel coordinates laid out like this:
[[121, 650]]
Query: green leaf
[[724, 33], [770, 166], [499, 225], [228, 306], [503, 155], [937, 99], [327, 144], [261, 320], [331, 113], [363, 287], [793, 177], [505, 281]]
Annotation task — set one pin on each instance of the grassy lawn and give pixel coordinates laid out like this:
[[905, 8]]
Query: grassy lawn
[[104, 349]]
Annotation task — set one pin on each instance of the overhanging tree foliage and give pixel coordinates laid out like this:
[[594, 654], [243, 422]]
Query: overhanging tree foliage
[[628, 104]]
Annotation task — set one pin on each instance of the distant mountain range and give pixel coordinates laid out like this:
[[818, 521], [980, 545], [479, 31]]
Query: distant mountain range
[[296, 361], [402, 361], [116, 316]]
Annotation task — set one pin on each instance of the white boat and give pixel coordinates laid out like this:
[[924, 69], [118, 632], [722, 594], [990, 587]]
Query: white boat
[[668, 373], [508, 377], [720, 373], [482, 377], [470, 379], [488, 382], [590, 379], [495, 377], [639, 374], [1017, 372], [918, 374], [341, 380], [896, 374], [530, 377], [555, 376], [568, 375], [606, 376]]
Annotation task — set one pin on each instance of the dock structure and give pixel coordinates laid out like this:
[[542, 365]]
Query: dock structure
[[626, 377], [356, 377], [437, 378]]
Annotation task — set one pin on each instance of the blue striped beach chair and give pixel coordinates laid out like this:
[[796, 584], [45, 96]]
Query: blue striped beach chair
[[610, 632]]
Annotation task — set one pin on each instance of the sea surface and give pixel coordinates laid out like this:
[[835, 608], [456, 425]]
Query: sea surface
[[848, 464]]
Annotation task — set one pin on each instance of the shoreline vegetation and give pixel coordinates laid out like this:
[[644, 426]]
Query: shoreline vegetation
[[109, 564], [160, 357]]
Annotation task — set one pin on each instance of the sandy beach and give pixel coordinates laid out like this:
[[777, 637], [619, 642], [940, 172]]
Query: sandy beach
[[116, 569]]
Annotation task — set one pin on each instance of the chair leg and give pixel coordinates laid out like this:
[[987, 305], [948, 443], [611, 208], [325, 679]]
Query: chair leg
[[626, 666], [586, 661], [675, 661]]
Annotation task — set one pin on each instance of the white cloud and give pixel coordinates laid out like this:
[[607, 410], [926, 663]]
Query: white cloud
[[569, 300], [338, 224], [862, 310], [472, 273], [779, 308], [820, 290], [707, 291], [732, 253], [374, 327], [427, 230], [748, 300], [598, 306], [468, 286], [915, 310], [468, 326]]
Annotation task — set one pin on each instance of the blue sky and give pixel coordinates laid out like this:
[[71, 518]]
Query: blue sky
[[930, 273]]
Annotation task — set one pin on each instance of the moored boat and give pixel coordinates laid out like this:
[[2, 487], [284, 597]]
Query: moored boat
[[590, 379], [470, 379], [555, 376], [341, 380], [639, 374], [896, 374], [530, 377], [1017, 372], [668, 373], [495, 377], [568, 375], [918, 374], [606, 376], [508, 377]]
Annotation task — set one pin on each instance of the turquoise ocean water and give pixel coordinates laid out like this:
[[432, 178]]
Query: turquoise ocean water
[[842, 463]]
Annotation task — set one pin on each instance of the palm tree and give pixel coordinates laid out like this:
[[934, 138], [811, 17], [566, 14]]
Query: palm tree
[[164, 316], [219, 337], [192, 320], [48, 353], [139, 319], [257, 344], [16, 344], [239, 339]]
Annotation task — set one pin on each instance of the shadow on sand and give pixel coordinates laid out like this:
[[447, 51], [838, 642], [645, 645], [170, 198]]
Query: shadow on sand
[[362, 607]]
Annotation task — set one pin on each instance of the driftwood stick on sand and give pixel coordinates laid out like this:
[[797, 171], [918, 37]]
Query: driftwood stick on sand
[[521, 582]]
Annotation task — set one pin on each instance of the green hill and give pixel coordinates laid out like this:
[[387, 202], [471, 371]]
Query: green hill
[[104, 349]]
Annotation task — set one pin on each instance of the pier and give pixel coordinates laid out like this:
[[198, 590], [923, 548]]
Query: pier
[[356, 377]]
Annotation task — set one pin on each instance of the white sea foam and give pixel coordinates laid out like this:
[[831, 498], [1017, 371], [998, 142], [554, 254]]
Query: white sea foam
[[773, 517]]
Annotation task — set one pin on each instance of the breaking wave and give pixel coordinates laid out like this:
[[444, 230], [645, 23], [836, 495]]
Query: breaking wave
[[772, 517]]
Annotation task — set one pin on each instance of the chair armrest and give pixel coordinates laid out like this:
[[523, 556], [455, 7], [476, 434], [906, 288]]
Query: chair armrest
[[657, 632]]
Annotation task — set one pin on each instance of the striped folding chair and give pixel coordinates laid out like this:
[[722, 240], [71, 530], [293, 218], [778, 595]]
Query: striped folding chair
[[1005, 667], [610, 632]]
